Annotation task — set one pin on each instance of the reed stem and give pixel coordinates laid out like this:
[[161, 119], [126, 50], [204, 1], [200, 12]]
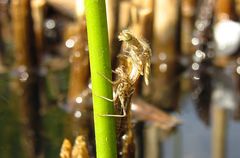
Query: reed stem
[[100, 64]]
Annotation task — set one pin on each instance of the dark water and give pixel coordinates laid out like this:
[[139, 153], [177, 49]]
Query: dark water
[[54, 122], [193, 139]]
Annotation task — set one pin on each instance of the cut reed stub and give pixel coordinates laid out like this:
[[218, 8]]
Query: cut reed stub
[[66, 149], [78, 150]]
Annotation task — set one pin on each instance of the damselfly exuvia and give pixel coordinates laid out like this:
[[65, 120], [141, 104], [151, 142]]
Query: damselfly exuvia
[[123, 88], [138, 51], [137, 54]]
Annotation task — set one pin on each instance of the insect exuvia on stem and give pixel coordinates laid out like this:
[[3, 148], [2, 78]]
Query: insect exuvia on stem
[[137, 54]]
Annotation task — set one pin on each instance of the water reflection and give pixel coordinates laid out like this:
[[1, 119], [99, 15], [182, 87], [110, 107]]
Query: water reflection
[[195, 136], [70, 43], [79, 100], [77, 114], [163, 67]]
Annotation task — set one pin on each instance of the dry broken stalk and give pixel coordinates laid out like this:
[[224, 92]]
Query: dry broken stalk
[[163, 67], [79, 72], [78, 93], [28, 67], [164, 55], [78, 150], [142, 18], [113, 19], [66, 149], [188, 8], [224, 10], [38, 7], [219, 129]]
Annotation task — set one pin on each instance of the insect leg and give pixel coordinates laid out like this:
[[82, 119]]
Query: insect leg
[[110, 100], [146, 73], [124, 110], [116, 115], [105, 98], [113, 115], [112, 82]]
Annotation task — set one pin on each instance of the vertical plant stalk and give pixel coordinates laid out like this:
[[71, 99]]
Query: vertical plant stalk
[[142, 23], [1, 45], [113, 20], [164, 52], [223, 10], [79, 77], [188, 8], [163, 69], [4, 34], [28, 66], [124, 11], [219, 132], [79, 73], [100, 63], [38, 7]]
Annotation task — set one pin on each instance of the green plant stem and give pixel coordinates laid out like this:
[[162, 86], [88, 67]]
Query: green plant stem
[[100, 64]]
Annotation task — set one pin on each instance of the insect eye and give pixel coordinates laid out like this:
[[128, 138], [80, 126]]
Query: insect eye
[[128, 36]]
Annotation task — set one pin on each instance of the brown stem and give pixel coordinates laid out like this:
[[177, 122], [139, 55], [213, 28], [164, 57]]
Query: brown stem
[[224, 9], [188, 8], [79, 72], [219, 132], [1, 43], [141, 25], [237, 7], [38, 7], [124, 11], [164, 55], [78, 93], [112, 19], [27, 64]]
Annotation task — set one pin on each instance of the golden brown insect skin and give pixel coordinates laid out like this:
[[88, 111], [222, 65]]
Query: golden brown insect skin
[[139, 52], [123, 89], [131, 41]]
